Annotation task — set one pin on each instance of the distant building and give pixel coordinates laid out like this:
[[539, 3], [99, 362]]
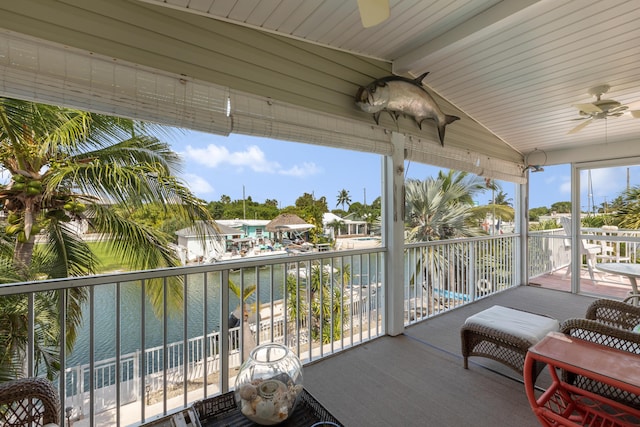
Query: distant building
[[355, 224], [252, 228], [350, 225], [192, 249]]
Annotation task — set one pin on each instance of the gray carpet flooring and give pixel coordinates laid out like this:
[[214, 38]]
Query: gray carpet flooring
[[417, 378]]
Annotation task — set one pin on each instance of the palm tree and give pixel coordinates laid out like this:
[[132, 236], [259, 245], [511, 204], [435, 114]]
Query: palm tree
[[628, 214], [322, 289], [438, 208], [337, 225], [343, 198], [67, 165], [503, 199], [472, 184], [242, 295]]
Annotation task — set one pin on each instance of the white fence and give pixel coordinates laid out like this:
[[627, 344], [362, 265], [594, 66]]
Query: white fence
[[134, 384]]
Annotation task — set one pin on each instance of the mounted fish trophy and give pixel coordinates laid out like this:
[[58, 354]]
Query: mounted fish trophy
[[397, 95]]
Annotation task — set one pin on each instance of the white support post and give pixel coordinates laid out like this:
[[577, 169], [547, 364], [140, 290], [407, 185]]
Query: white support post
[[522, 228], [576, 256], [393, 188]]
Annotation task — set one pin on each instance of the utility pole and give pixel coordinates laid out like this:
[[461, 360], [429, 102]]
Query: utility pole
[[244, 207]]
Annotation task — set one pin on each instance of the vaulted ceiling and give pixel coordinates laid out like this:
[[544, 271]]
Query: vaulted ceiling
[[518, 67]]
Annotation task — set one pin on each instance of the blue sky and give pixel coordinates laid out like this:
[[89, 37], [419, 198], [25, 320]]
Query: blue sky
[[268, 169]]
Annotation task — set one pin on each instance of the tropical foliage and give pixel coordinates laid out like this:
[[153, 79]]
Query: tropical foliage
[[502, 199], [343, 198], [628, 214], [67, 168], [441, 208], [502, 211], [242, 295], [322, 292], [545, 225], [225, 208]]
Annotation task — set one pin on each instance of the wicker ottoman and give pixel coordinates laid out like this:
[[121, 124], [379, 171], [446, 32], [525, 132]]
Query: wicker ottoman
[[504, 334]]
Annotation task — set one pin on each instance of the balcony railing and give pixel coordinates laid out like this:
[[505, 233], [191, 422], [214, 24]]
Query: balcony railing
[[550, 250], [445, 274], [130, 364]]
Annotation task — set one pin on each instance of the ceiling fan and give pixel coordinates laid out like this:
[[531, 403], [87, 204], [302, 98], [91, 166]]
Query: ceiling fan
[[373, 12], [600, 108]]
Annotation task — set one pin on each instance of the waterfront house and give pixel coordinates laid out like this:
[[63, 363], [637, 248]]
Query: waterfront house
[[252, 228], [217, 238], [511, 70], [355, 224]]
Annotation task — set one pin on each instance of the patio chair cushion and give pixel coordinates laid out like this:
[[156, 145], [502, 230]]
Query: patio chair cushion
[[505, 335], [528, 326]]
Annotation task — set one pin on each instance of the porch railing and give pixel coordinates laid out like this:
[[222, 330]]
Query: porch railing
[[444, 274], [550, 250], [130, 364]]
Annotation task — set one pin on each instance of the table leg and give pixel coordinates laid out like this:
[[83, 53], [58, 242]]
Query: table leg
[[634, 296]]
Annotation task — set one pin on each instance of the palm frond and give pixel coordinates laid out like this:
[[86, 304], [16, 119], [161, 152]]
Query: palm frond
[[66, 254]]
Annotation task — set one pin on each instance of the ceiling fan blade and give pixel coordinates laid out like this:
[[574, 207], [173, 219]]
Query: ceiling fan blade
[[619, 109], [635, 114], [580, 126], [588, 108], [373, 12]]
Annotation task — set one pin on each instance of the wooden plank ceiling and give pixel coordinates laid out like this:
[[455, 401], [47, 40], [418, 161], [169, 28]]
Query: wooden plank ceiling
[[518, 67]]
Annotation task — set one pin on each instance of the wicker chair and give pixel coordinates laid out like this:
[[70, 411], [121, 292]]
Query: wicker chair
[[595, 331], [29, 402], [614, 313]]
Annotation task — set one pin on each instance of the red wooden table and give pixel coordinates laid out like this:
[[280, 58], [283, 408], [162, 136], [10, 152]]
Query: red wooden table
[[563, 404]]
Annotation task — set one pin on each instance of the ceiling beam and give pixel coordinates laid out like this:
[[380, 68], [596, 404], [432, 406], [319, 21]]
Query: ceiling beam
[[626, 149]]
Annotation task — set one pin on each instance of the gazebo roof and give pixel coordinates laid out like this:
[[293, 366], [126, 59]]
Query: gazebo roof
[[287, 221]]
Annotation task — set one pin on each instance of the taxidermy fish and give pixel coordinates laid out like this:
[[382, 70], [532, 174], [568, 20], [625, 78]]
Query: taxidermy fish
[[397, 95]]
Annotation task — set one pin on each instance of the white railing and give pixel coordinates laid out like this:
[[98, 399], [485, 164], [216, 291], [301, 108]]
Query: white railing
[[550, 250], [618, 245], [118, 320], [107, 377], [358, 306], [445, 274]]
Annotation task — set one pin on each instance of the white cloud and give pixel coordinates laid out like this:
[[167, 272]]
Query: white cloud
[[253, 158], [216, 155], [197, 184], [605, 182], [306, 169], [565, 186]]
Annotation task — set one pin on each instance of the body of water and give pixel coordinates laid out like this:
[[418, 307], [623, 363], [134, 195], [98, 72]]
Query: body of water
[[131, 303]]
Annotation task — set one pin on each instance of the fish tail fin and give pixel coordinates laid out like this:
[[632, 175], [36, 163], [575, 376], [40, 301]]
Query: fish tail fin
[[441, 126], [450, 119], [418, 80]]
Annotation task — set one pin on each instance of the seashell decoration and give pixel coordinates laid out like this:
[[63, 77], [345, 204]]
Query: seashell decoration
[[268, 384]]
